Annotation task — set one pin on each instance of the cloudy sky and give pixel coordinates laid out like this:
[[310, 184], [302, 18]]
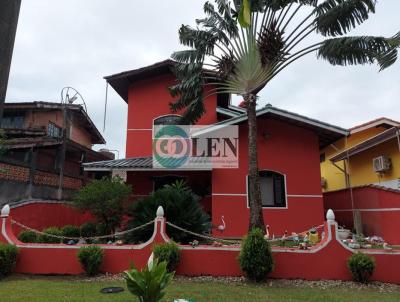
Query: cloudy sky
[[75, 43]]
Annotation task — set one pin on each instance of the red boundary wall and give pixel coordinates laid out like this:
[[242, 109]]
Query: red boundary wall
[[327, 260], [43, 214], [379, 210]]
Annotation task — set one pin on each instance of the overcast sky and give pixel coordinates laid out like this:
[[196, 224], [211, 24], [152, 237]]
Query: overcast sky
[[75, 43]]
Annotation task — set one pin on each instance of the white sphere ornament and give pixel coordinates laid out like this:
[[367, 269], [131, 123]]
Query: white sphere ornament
[[5, 211], [160, 212], [330, 216]]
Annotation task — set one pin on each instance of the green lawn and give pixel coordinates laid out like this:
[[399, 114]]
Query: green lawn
[[42, 289]]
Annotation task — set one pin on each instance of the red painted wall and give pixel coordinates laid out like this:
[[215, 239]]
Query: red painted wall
[[289, 150], [324, 261], [147, 100], [379, 209], [42, 215]]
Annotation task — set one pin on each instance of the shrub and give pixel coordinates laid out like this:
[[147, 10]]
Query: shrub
[[49, 239], [88, 229], [148, 284], [70, 231], [8, 259], [28, 236], [169, 253], [91, 258], [255, 257], [104, 199], [181, 207], [361, 267]]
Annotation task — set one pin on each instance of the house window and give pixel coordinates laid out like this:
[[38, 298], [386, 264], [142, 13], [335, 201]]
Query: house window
[[171, 119], [12, 122], [161, 181], [273, 189], [53, 130]]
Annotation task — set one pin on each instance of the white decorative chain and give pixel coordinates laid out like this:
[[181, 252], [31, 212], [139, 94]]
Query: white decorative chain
[[201, 235], [86, 238]]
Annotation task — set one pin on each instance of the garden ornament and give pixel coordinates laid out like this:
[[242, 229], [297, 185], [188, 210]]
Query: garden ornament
[[222, 227], [267, 232], [5, 211], [194, 243], [82, 241], [313, 236]]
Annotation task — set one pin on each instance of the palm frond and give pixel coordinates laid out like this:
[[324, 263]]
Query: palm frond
[[221, 20], [387, 59], [188, 55], [201, 40], [280, 4], [188, 91], [337, 17], [358, 50]]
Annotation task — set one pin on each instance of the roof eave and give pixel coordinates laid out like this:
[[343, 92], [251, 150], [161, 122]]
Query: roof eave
[[367, 144]]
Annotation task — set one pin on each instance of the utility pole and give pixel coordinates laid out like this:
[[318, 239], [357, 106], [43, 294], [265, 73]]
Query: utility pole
[[9, 13]]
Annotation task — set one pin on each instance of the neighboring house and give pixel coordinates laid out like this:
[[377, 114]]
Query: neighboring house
[[39, 163], [350, 161], [288, 147], [361, 177]]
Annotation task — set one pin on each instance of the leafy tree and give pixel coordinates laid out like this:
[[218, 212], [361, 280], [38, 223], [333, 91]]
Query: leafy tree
[[181, 207], [105, 199], [241, 45]]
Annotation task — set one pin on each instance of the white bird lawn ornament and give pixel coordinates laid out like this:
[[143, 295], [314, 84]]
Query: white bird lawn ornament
[[222, 227], [266, 236]]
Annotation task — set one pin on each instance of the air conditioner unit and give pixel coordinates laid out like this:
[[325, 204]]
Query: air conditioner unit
[[382, 164]]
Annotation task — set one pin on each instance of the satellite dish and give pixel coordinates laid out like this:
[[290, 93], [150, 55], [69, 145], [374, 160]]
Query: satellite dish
[[70, 95]]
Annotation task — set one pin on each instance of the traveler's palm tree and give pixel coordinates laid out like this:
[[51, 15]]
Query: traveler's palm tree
[[241, 45]]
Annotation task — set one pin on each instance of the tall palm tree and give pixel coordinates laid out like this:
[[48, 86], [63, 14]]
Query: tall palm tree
[[241, 45]]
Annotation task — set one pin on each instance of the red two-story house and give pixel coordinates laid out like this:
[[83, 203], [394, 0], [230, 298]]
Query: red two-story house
[[288, 148]]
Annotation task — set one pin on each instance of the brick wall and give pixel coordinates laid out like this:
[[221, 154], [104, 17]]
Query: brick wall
[[72, 183], [45, 178], [15, 173], [41, 178]]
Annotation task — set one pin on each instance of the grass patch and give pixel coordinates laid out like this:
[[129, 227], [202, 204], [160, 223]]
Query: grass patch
[[43, 289]]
